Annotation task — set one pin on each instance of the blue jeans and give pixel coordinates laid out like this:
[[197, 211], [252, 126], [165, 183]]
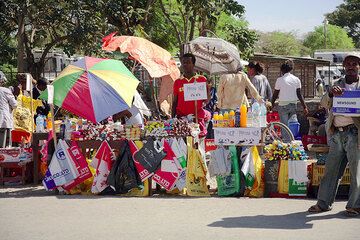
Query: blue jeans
[[286, 112], [343, 149]]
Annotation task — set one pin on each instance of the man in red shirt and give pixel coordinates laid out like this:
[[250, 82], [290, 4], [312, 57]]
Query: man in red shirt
[[182, 108]]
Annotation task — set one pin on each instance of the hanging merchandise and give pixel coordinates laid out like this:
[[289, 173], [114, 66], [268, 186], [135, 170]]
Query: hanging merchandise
[[123, 176], [179, 151], [81, 166], [283, 181], [102, 162], [134, 148], [271, 176], [298, 178], [230, 185], [22, 113], [61, 169], [169, 171], [253, 171], [220, 162], [195, 173], [150, 155], [85, 186]]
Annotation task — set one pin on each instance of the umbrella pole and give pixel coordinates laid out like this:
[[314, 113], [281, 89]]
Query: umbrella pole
[[53, 123]]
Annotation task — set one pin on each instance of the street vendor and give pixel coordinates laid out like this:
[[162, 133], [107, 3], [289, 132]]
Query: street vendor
[[182, 108], [344, 144]]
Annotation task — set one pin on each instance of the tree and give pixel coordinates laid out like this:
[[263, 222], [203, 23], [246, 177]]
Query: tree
[[347, 15], [280, 43], [336, 38], [236, 31], [188, 17], [73, 25]]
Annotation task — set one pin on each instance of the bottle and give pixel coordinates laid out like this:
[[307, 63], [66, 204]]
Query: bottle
[[255, 112], [226, 119], [263, 112], [221, 120], [232, 118], [215, 119], [68, 129], [237, 117], [49, 122], [243, 115], [39, 124]]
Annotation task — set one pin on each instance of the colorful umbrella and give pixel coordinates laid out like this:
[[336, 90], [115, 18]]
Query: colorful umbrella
[[94, 88]]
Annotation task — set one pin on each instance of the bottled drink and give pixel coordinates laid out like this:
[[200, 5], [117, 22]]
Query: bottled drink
[[215, 119], [263, 112], [255, 110], [226, 119], [221, 121], [39, 123], [232, 118], [243, 115], [49, 122], [237, 117]]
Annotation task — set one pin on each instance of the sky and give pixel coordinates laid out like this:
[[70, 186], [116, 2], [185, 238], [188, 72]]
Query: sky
[[300, 16]]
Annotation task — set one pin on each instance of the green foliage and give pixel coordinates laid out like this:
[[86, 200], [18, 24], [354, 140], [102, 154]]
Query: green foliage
[[280, 43], [347, 15], [336, 38]]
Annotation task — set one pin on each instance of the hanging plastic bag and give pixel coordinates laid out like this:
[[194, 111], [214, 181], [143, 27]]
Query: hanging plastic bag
[[220, 162], [253, 171], [196, 173], [230, 185], [283, 180], [298, 178], [150, 155], [179, 152], [271, 176]]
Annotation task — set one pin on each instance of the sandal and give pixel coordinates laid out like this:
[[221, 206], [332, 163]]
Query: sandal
[[317, 209], [353, 212]]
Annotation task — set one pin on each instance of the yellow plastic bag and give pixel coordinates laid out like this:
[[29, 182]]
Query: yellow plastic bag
[[195, 173], [23, 119], [84, 188], [283, 180], [258, 188]]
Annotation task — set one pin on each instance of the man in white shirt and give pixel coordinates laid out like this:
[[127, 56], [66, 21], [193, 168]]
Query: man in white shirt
[[288, 90], [344, 144]]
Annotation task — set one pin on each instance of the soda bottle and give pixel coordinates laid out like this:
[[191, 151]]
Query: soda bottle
[[221, 121], [39, 123], [232, 118], [215, 119], [226, 119], [237, 117], [243, 115], [255, 112], [49, 122], [263, 121]]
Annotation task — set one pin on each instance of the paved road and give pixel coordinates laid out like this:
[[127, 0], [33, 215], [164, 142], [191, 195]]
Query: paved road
[[32, 213]]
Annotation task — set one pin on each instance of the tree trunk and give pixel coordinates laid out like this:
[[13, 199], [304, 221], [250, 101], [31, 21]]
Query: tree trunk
[[20, 40]]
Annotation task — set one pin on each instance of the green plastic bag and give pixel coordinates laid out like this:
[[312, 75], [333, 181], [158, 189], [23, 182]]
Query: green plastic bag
[[230, 185]]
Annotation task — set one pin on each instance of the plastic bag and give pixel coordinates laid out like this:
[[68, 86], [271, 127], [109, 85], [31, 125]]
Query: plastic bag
[[220, 162], [283, 180], [196, 173], [257, 189]]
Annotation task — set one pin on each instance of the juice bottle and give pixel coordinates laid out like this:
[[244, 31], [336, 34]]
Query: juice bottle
[[215, 119], [243, 115], [221, 121], [226, 119], [232, 118], [49, 122]]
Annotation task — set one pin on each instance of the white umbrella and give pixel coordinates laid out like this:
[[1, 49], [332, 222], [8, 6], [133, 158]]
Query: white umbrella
[[214, 55]]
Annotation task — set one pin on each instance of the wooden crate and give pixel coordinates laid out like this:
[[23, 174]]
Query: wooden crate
[[318, 173]]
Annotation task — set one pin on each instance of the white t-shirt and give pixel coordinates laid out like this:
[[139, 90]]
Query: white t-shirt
[[287, 85]]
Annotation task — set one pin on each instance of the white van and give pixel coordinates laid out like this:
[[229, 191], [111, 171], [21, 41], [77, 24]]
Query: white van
[[332, 73]]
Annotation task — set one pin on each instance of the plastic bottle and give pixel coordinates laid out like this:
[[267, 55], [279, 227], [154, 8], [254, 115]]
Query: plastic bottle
[[221, 121], [232, 118], [226, 119], [215, 119], [243, 116], [237, 117], [49, 122], [255, 111], [68, 129], [39, 123], [263, 113]]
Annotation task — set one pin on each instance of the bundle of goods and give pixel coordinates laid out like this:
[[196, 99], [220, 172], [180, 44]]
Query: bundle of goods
[[172, 127], [285, 151]]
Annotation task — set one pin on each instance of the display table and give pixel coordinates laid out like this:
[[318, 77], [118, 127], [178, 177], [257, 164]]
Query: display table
[[84, 145]]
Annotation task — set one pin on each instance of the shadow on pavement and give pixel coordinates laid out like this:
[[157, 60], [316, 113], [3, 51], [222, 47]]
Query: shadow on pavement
[[300, 220]]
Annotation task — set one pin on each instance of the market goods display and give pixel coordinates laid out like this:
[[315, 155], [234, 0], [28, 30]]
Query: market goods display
[[285, 151]]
